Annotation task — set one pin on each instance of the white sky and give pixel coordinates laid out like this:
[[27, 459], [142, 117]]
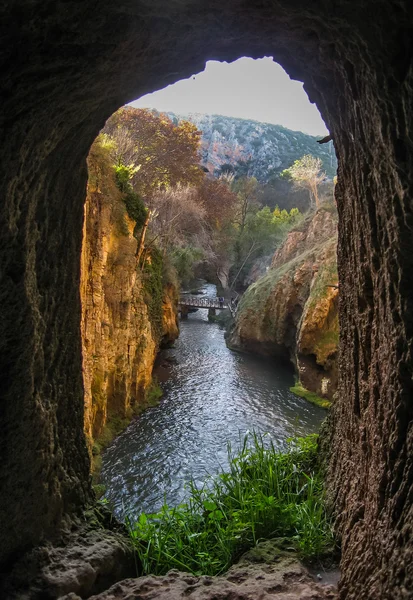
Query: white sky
[[247, 88]]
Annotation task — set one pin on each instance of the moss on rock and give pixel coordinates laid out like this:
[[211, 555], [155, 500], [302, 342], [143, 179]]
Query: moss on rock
[[299, 390]]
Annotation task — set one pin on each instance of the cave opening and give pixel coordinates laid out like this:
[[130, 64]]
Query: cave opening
[[356, 62], [225, 228]]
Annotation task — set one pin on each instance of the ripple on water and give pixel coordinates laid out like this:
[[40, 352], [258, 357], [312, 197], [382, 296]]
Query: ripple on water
[[213, 396]]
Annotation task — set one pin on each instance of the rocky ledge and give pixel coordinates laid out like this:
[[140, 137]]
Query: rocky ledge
[[264, 573]]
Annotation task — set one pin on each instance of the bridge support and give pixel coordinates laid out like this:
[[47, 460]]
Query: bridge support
[[184, 311], [211, 313]]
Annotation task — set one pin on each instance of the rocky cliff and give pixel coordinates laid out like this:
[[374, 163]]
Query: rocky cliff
[[292, 311], [122, 328], [266, 149]]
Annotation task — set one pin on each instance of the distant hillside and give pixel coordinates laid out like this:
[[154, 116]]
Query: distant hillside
[[263, 149]]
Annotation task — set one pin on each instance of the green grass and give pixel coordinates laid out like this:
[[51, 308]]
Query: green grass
[[299, 390], [265, 494], [153, 394]]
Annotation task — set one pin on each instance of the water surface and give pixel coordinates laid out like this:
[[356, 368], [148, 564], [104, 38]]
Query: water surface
[[213, 395]]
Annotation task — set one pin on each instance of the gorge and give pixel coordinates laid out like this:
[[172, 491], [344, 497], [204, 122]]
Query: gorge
[[66, 67]]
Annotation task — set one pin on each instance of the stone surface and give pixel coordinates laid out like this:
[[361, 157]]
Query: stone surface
[[66, 66], [291, 311], [262, 574], [91, 555]]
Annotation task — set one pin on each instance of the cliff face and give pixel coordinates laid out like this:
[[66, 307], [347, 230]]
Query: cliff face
[[293, 310], [119, 336]]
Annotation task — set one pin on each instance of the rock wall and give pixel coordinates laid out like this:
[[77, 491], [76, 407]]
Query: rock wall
[[119, 339], [292, 311]]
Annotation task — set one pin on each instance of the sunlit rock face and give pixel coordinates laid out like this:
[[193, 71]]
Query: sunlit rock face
[[65, 68], [120, 338], [292, 311]]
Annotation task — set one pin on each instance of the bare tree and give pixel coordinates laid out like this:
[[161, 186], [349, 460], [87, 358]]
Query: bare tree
[[306, 174]]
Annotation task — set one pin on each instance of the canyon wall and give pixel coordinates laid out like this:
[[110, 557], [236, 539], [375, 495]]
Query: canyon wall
[[292, 311], [122, 327]]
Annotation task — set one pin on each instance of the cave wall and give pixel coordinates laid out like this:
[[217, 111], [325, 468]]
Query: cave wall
[[66, 66]]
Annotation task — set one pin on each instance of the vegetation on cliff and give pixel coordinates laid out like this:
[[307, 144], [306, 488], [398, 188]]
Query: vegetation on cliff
[[292, 310], [265, 494], [128, 307]]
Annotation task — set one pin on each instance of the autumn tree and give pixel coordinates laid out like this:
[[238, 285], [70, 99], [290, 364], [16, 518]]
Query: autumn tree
[[246, 190], [162, 154], [306, 173], [220, 204], [218, 200], [178, 218], [153, 157]]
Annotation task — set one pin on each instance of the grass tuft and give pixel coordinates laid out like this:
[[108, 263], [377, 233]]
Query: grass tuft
[[265, 494]]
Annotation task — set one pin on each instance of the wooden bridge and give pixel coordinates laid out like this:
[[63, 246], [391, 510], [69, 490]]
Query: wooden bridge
[[212, 304]]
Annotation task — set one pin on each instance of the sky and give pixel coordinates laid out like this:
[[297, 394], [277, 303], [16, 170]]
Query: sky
[[249, 89]]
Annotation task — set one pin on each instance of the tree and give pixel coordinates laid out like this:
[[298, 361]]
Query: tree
[[163, 154], [246, 189], [178, 219], [306, 174]]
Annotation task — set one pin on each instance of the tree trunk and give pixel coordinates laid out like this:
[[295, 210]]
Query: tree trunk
[[141, 241]]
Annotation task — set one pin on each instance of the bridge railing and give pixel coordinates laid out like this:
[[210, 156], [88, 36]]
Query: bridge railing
[[198, 302]]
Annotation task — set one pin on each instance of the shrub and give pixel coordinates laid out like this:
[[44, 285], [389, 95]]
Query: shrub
[[135, 208], [133, 202]]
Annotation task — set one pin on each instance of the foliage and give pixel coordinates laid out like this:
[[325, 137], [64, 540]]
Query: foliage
[[124, 174], [264, 230], [153, 394], [299, 390], [184, 259], [246, 189], [136, 209], [178, 218], [164, 153], [306, 173], [153, 288], [265, 494], [134, 205]]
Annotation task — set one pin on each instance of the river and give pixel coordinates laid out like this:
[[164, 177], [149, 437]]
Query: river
[[213, 395]]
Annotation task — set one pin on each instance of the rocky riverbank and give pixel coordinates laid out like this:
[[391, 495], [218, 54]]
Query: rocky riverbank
[[292, 311]]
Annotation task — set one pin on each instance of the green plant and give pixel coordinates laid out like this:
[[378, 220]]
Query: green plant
[[184, 260], [134, 204], [153, 288], [135, 208], [265, 494], [153, 394]]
